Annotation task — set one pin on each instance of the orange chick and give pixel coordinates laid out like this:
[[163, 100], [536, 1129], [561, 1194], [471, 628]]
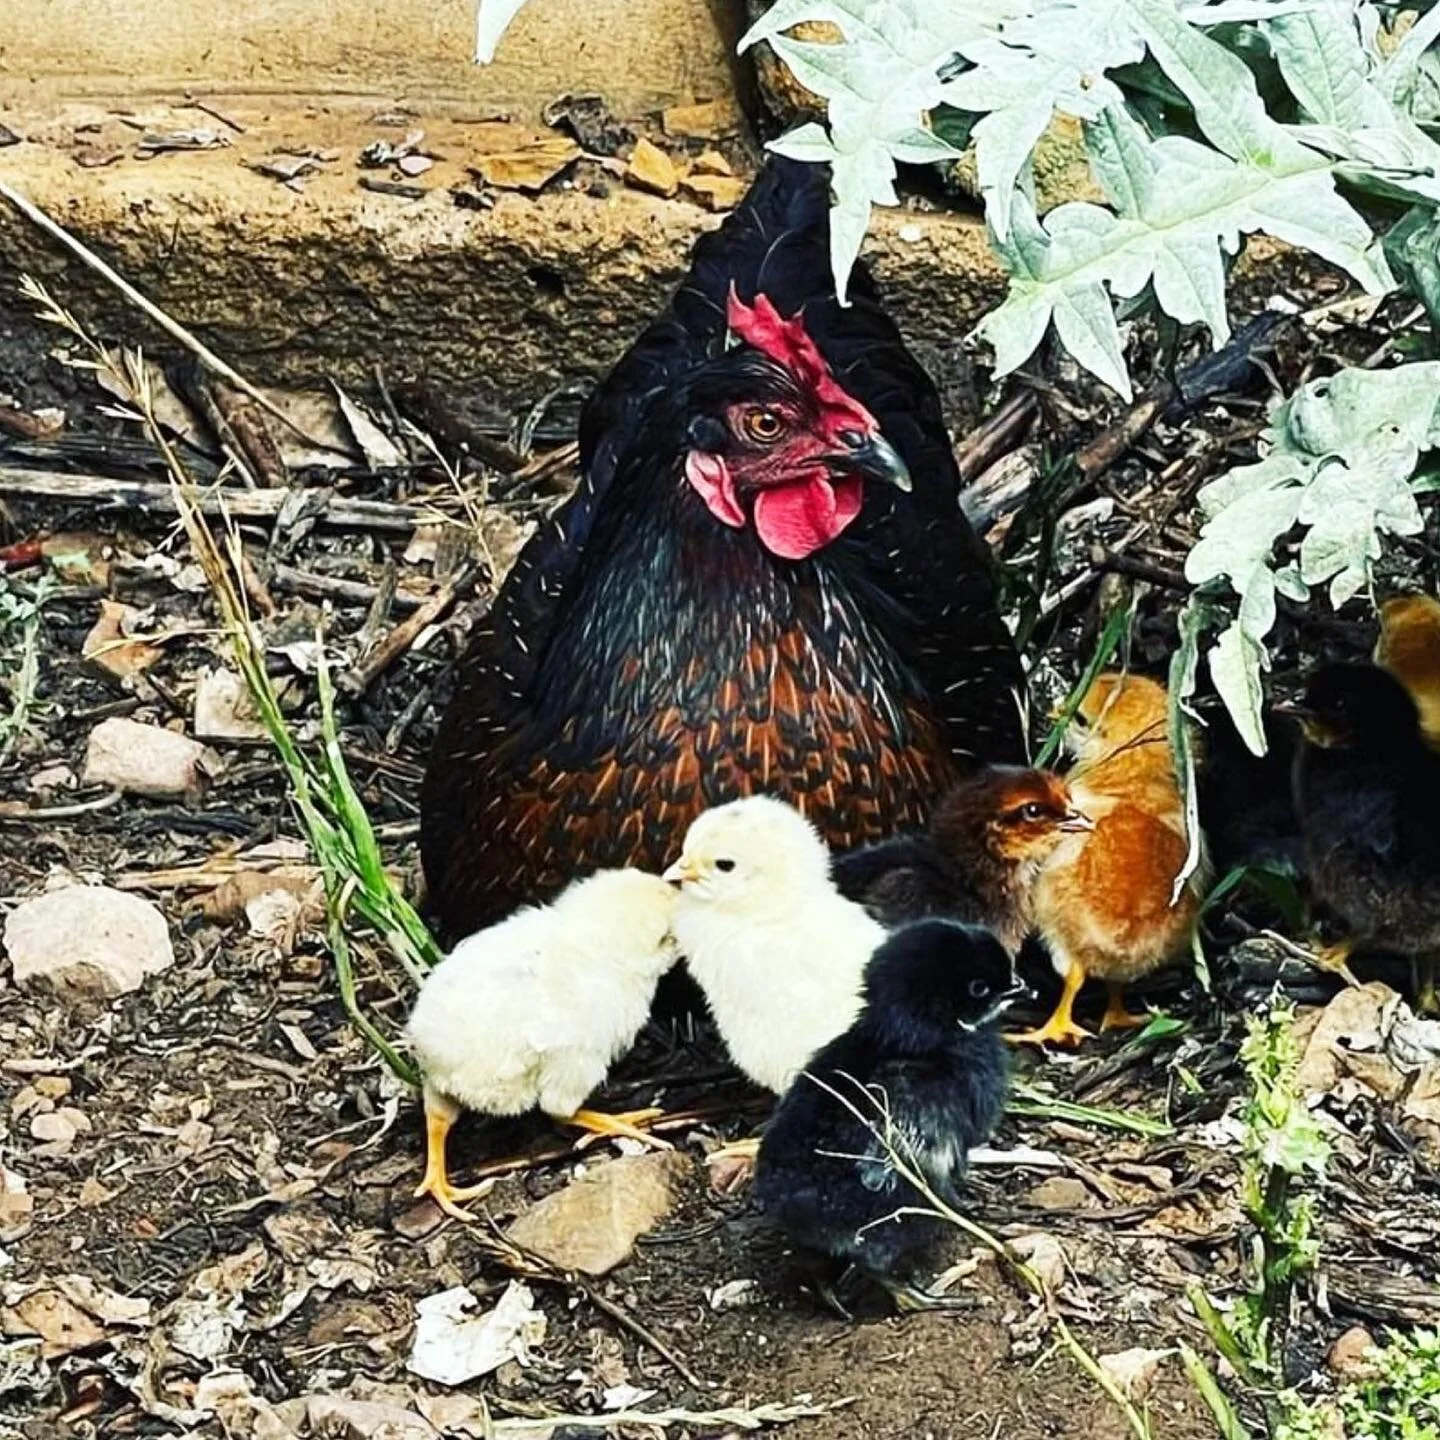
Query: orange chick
[[1103, 900], [1409, 648]]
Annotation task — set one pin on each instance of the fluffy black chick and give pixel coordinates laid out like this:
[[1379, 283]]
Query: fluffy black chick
[[926, 1048], [1367, 792], [987, 840]]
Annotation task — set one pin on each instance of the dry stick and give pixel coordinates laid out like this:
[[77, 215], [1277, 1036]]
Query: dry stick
[[404, 635], [1001, 433], [171, 327], [332, 587], [527, 1262], [157, 497], [18, 810]]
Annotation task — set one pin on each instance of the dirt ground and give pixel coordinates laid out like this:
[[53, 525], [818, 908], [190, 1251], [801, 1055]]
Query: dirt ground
[[222, 1146]]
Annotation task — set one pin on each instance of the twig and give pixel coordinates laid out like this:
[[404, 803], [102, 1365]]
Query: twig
[[404, 635], [1116, 564], [1110, 444], [536, 1267], [332, 587], [170, 326], [998, 435], [15, 810], [731, 1417], [157, 497]]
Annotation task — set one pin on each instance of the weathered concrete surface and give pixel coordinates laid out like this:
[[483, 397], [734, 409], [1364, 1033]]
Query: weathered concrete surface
[[419, 49], [508, 301]]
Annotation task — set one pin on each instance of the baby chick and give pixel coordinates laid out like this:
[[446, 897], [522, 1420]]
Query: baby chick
[[777, 950], [925, 1048], [978, 862], [1409, 648], [1367, 789], [1103, 901], [533, 1011]]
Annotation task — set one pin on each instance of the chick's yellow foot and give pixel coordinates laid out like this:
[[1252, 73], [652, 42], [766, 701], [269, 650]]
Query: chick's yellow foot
[[440, 1114], [1336, 959], [1060, 1028], [1117, 1017], [630, 1124]]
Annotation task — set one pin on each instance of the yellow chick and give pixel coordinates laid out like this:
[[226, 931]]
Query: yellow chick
[[534, 1011], [1409, 648]]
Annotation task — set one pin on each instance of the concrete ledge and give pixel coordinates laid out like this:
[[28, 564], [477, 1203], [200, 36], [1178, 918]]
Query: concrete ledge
[[508, 301]]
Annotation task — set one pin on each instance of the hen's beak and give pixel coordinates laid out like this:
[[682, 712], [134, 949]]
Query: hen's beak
[[1076, 822], [681, 871], [875, 458]]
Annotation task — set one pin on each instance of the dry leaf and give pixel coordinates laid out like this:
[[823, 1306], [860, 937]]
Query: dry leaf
[[454, 1343], [529, 168], [650, 168], [708, 120], [716, 192]]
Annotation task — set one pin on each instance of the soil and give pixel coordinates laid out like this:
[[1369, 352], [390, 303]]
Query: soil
[[237, 1120]]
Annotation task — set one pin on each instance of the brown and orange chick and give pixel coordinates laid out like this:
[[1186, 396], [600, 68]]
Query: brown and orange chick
[[1409, 648], [978, 862], [1103, 902]]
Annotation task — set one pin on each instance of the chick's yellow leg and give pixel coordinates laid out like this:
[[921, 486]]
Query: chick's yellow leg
[[630, 1124], [1116, 1016], [1060, 1028], [440, 1114], [1336, 959]]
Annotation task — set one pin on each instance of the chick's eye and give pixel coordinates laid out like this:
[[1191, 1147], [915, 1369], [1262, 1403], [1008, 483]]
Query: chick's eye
[[725, 866], [978, 989], [762, 426], [1032, 811]]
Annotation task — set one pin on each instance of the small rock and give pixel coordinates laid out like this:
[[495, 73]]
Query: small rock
[[58, 1128], [87, 942], [224, 709], [708, 120], [592, 1224], [52, 1087], [53, 777], [716, 192], [1352, 1356], [108, 648], [650, 168], [735, 1295], [144, 760], [1060, 1192]]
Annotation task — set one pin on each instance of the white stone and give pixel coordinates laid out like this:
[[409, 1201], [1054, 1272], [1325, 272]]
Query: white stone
[[87, 942], [144, 760]]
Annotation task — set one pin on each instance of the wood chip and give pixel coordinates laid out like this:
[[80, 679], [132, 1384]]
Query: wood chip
[[716, 192], [708, 120], [529, 168], [650, 168]]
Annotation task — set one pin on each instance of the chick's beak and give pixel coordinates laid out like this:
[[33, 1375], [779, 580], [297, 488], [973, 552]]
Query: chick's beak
[[1076, 822], [681, 871], [874, 458]]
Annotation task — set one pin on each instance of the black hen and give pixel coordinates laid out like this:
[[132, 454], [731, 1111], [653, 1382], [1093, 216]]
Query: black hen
[[730, 603], [1367, 791], [924, 1047]]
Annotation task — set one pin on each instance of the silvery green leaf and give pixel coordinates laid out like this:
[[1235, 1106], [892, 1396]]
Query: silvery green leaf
[[806, 142], [1235, 664], [1290, 584], [492, 19], [1240, 539], [1275, 471], [1240, 12], [1256, 615], [1400, 77], [1325, 66]]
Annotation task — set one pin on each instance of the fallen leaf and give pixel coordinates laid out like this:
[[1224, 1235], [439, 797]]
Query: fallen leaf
[[380, 451], [453, 1343], [530, 168], [716, 192], [63, 1327], [1045, 1257], [709, 120], [1133, 1370], [650, 168]]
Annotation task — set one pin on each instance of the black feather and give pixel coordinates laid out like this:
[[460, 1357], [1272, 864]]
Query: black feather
[[925, 1045]]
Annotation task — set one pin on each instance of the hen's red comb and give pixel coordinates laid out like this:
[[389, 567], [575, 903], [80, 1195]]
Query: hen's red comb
[[788, 343]]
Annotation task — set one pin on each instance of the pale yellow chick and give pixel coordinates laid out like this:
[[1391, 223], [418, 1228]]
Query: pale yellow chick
[[533, 1011]]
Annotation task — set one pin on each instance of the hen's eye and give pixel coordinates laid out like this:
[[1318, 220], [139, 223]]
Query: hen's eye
[[725, 866], [763, 426], [1032, 812], [979, 989]]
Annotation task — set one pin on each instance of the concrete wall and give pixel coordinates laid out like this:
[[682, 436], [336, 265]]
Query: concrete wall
[[639, 53]]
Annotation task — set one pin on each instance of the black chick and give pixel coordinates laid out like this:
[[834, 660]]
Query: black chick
[[1367, 791], [926, 1046], [988, 838]]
